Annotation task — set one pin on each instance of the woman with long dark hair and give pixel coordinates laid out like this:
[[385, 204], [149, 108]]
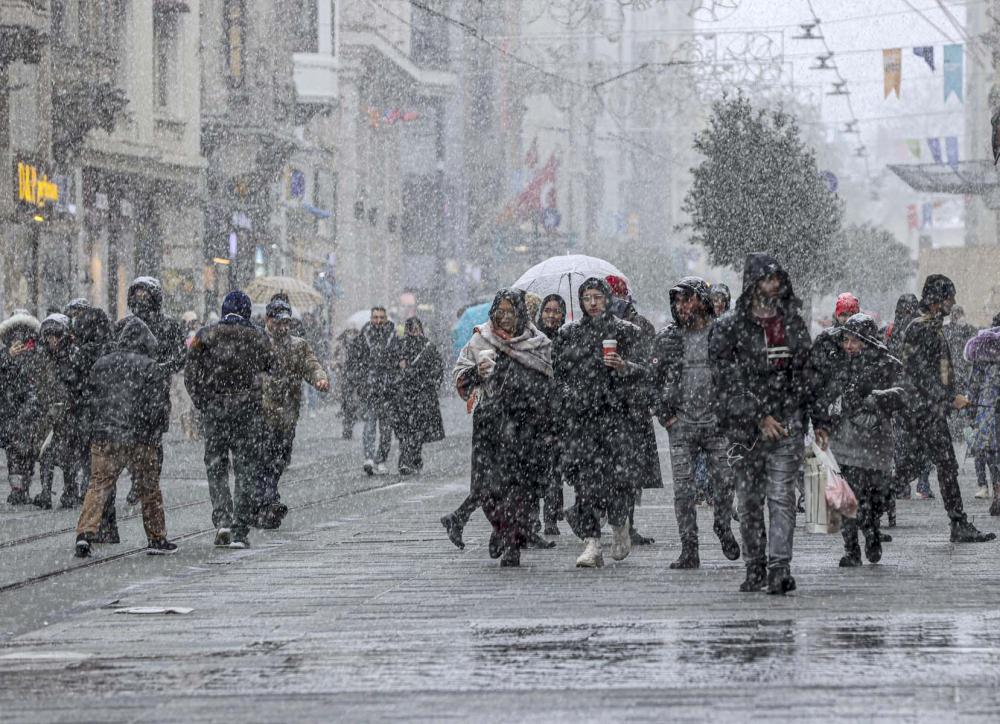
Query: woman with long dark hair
[[551, 318], [418, 411], [505, 375]]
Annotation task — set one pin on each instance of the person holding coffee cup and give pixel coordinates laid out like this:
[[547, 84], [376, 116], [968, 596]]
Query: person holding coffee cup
[[599, 372], [505, 375]]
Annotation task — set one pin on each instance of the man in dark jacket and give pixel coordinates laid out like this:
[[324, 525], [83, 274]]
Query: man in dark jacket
[[686, 390], [223, 375], [145, 301], [294, 363], [373, 359], [127, 414], [929, 382], [762, 357]]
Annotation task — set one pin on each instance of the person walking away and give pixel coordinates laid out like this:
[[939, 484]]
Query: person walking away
[[929, 382], [504, 373], [18, 412], [864, 390], [294, 362], [91, 340], [145, 301], [374, 357], [417, 418], [58, 429], [344, 379], [762, 356], [599, 364], [550, 320], [646, 459], [224, 370], [127, 410], [686, 389], [982, 352]]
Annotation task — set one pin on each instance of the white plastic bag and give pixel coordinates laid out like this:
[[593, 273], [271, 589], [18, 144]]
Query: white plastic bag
[[838, 493]]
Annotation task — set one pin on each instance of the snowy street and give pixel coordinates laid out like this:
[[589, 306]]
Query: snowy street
[[360, 609]]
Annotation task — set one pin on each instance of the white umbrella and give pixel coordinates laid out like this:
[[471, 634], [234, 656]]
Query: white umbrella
[[563, 275]]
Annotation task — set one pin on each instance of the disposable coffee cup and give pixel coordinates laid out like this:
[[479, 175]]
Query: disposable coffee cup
[[489, 358], [610, 345]]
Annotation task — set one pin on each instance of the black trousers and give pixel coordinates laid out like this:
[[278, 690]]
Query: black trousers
[[930, 439], [871, 488], [275, 456]]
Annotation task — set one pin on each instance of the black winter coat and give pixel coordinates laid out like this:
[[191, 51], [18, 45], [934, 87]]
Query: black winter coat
[[126, 407], [18, 408], [418, 410], [929, 378], [226, 363], [751, 387], [91, 341], [373, 361]]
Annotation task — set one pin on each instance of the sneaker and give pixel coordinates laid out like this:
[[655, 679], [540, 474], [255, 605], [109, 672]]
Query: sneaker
[[592, 556], [925, 496], [369, 466], [454, 528], [161, 547], [83, 549], [381, 469], [965, 532], [240, 544], [223, 537], [621, 544], [983, 493]]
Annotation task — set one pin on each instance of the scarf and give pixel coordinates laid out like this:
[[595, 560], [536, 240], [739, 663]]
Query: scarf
[[531, 348]]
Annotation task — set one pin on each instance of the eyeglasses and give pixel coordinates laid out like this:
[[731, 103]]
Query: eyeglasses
[[506, 313], [593, 298]]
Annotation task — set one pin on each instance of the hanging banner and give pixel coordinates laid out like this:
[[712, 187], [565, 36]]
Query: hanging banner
[[951, 151], [953, 71], [935, 145], [927, 53], [914, 145], [892, 66], [911, 217]]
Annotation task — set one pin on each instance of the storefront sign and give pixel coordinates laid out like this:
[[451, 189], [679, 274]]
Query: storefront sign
[[34, 189]]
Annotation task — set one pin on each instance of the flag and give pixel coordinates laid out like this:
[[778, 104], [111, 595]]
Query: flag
[[927, 210], [935, 145], [927, 53], [951, 150], [911, 217], [953, 71], [914, 144], [531, 159], [892, 66], [539, 194]]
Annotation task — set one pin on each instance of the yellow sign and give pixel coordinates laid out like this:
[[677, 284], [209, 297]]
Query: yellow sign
[[32, 189]]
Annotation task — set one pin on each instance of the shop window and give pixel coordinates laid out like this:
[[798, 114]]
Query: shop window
[[306, 28], [166, 27], [236, 40], [101, 26]]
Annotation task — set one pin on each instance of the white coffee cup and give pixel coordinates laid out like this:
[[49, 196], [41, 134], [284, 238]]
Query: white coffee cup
[[610, 345], [489, 358]]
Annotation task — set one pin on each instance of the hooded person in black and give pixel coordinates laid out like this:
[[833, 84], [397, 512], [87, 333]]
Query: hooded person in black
[[18, 411], [599, 370], [684, 381], [762, 357], [551, 317], [930, 394], [417, 418], [145, 301]]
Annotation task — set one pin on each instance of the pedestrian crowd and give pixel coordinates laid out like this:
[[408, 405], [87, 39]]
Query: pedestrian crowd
[[744, 392]]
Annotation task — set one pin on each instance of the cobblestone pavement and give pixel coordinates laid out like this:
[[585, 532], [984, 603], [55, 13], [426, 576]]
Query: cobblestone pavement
[[359, 609]]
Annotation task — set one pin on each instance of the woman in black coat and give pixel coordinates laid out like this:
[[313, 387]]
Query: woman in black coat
[[418, 411], [510, 399], [551, 318], [18, 409], [596, 388]]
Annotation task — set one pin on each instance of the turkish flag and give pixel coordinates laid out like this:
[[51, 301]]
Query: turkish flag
[[540, 192]]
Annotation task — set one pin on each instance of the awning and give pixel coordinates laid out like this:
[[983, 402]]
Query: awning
[[975, 178]]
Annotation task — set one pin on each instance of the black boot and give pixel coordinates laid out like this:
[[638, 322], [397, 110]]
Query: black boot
[[688, 558], [82, 549], [638, 539], [572, 518], [43, 500], [852, 554], [454, 527], [536, 541], [995, 505], [780, 581], [730, 546], [551, 528], [873, 546], [962, 531], [496, 546], [891, 513], [511, 557], [756, 577]]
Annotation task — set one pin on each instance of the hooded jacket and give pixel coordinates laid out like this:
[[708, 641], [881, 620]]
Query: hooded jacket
[[227, 359], [929, 379], [667, 363], [50, 368], [17, 383], [125, 406], [756, 380], [170, 351]]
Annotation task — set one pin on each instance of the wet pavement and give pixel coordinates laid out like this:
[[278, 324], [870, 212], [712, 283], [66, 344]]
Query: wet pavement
[[360, 609]]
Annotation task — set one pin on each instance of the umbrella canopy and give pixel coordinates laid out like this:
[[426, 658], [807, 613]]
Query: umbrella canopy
[[299, 293], [563, 275], [461, 331]]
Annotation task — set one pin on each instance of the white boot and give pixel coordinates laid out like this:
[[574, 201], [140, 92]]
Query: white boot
[[592, 556], [622, 543]]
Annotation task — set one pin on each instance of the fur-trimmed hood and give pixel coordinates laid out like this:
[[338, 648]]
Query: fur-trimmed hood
[[27, 325], [984, 348]]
